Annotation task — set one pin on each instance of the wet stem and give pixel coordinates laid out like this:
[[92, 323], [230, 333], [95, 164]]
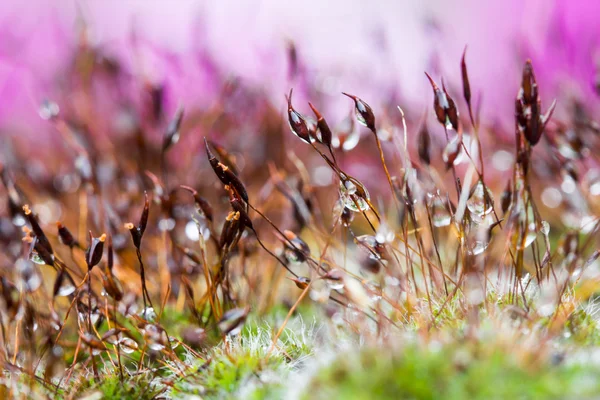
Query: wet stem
[[387, 173], [145, 295]]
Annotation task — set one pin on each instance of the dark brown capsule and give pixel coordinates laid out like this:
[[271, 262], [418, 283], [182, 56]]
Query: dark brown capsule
[[520, 114], [296, 249], [65, 236], [156, 97], [64, 284], [297, 122], [94, 252], [225, 157], [144, 217], [440, 102], [226, 175], [173, 132], [42, 252], [112, 286], [528, 107], [202, 204], [214, 163], [42, 240], [465, 78], [424, 144], [233, 181], [110, 256], [451, 111], [244, 217], [506, 198], [528, 84], [364, 113], [326, 134], [135, 234], [533, 132], [230, 230]]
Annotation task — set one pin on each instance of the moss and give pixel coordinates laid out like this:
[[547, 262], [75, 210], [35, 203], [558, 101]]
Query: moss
[[223, 375], [582, 329], [138, 387], [245, 367], [451, 373]]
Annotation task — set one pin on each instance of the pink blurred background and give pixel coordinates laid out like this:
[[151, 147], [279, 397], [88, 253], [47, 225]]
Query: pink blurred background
[[377, 50]]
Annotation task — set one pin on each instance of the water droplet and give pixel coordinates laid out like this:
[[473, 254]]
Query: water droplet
[[481, 201], [372, 247], [291, 255], [128, 345], [532, 230], [452, 150], [166, 224], [30, 278], [83, 166], [319, 291], [440, 215], [545, 228], [335, 285], [478, 247], [48, 110], [354, 195], [551, 197], [33, 282], [148, 314], [156, 346], [35, 257], [350, 141], [530, 236], [18, 220], [174, 342], [568, 185], [384, 233]]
